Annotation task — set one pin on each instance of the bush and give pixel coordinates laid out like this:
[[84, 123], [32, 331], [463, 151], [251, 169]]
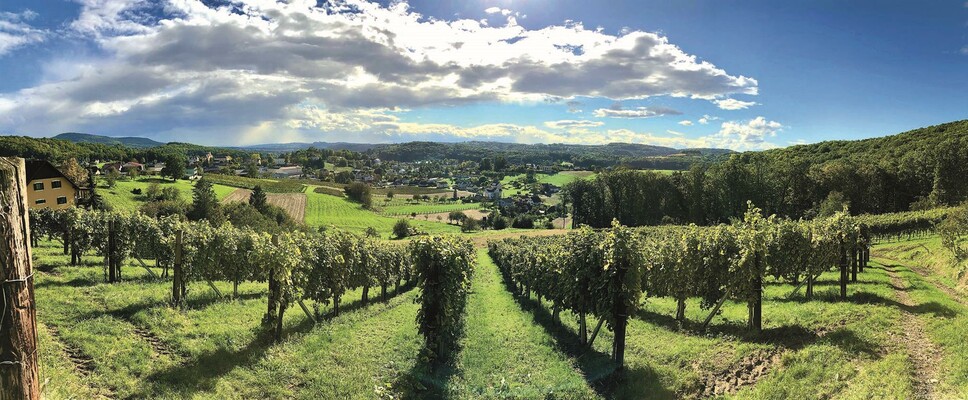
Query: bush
[[158, 209], [470, 225], [498, 222], [401, 229], [360, 193], [136, 191], [523, 222]]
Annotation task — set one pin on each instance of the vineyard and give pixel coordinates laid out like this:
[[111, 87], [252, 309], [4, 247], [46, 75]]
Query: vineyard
[[166, 308], [271, 186]]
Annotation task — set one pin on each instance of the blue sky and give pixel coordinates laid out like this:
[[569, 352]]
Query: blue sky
[[739, 75]]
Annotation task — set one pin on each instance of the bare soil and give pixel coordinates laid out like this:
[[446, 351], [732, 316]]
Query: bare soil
[[924, 355], [293, 203]]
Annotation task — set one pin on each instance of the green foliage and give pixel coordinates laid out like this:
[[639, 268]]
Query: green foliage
[[258, 199], [954, 232], [360, 193], [205, 204], [443, 266], [402, 228], [175, 166]]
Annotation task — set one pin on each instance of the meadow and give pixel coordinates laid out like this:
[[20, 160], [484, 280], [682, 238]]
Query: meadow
[[120, 197]]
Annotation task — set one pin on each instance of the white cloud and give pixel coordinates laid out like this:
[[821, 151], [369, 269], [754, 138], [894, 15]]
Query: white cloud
[[964, 50], [685, 122], [640, 112], [15, 32], [569, 123], [746, 135], [706, 119], [496, 10], [733, 104], [180, 66]]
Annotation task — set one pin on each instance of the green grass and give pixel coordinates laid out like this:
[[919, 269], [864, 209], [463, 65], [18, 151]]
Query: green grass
[[120, 197], [512, 347], [426, 208], [946, 319], [326, 210]]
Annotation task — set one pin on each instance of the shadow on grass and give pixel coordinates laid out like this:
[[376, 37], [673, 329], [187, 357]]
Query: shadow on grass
[[791, 337], [202, 373], [866, 298], [601, 373], [427, 379]]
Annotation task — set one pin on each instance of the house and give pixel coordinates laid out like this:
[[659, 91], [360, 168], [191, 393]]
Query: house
[[223, 160], [191, 173], [131, 165], [47, 187], [493, 192]]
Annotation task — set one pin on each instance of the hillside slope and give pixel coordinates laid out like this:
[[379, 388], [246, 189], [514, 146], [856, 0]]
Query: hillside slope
[[129, 141]]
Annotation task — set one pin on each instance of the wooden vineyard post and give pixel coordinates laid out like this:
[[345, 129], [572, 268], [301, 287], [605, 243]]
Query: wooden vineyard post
[[176, 284], [621, 315], [19, 376], [843, 272], [112, 268], [853, 264], [755, 305]]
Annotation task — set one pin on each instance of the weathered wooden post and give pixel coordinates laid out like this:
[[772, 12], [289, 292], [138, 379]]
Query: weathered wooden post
[[112, 269], [19, 377], [843, 271], [176, 282]]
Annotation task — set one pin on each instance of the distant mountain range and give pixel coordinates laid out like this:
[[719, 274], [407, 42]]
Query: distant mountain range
[[421, 150], [129, 141]]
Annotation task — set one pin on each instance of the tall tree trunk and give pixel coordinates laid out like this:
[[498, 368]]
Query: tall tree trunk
[[366, 295], [19, 377], [383, 292]]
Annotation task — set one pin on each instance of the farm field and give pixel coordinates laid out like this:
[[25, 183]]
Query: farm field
[[293, 203], [426, 208], [327, 210], [120, 197], [125, 341], [559, 179]]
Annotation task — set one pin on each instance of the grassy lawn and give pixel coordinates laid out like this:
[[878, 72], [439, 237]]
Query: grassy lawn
[[327, 210], [120, 197]]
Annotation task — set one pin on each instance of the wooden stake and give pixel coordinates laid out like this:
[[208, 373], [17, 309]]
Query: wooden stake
[[19, 377], [176, 285]]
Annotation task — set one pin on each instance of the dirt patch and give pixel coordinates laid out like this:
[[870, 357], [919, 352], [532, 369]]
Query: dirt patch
[[745, 373], [923, 353], [159, 347], [293, 203], [83, 364], [481, 240]]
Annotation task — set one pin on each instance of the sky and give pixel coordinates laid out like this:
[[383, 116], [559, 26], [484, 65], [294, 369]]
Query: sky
[[744, 75]]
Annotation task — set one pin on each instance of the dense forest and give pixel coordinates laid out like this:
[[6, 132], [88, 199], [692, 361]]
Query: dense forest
[[919, 169]]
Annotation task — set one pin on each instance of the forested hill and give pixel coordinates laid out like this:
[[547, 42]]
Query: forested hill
[[917, 145], [136, 142], [58, 150], [634, 155]]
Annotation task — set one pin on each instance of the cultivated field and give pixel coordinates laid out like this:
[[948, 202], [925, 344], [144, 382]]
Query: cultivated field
[[293, 203]]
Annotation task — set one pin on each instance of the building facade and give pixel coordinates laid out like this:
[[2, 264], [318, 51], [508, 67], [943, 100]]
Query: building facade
[[47, 187]]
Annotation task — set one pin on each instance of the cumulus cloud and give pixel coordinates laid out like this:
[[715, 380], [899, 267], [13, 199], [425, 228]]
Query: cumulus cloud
[[16, 32], [568, 124], [733, 104], [639, 112], [179, 66], [746, 135], [498, 10], [685, 122], [706, 119]]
